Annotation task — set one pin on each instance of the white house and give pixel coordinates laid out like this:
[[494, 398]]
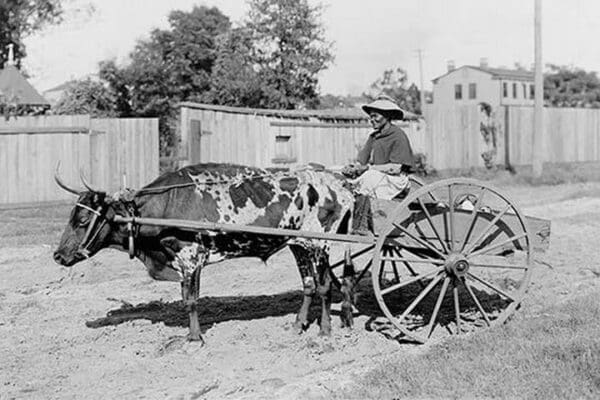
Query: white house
[[476, 84]]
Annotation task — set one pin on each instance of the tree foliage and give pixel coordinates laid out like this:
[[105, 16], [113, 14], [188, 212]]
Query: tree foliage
[[172, 65], [289, 50], [571, 87], [271, 61], [20, 18], [394, 83], [234, 79], [87, 97]]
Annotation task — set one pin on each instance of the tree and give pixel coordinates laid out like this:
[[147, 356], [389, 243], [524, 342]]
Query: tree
[[331, 101], [173, 65], [571, 87], [87, 97], [394, 83], [234, 79], [20, 18], [289, 51]]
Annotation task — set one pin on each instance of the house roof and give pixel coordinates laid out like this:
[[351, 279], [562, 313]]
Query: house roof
[[61, 87], [497, 73], [14, 85]]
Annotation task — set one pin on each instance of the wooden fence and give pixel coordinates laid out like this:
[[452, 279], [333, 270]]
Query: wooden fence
[[105, 149], [571, 134], [451, 137], [267, 138]]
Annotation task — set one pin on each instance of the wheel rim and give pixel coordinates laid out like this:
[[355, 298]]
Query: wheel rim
[[468, 258]]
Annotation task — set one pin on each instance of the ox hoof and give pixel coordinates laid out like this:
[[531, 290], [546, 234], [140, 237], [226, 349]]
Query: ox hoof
[[346, 317], [300, 327], [325, 332], [196, 338]]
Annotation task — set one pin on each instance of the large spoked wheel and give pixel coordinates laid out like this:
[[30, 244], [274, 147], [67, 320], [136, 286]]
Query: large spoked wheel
[[468, 258]]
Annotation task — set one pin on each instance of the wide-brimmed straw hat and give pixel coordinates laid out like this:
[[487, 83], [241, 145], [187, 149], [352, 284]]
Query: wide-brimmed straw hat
[[386, 106]]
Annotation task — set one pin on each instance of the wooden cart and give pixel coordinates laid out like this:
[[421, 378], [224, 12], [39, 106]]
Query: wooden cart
[[454, 256]]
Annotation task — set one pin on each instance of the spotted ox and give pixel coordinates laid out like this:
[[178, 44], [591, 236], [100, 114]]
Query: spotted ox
[[221, 193]]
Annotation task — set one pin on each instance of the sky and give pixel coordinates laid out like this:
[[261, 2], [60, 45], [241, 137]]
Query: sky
[[369, 36]]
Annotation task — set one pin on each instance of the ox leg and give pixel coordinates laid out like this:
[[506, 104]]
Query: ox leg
[[192, 305], [324, 290], [188, 258], [305, 267], [347, 289]]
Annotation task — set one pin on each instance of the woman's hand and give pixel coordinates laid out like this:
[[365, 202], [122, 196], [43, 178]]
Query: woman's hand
[[389, 168]]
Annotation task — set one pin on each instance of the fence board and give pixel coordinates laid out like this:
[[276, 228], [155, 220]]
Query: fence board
[[30, 147]]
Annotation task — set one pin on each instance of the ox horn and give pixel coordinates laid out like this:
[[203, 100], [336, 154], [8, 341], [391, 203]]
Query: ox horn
[[63, 185], [87, 184]]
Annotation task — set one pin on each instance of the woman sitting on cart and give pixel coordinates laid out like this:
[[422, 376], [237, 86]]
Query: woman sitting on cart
[[387, 157]]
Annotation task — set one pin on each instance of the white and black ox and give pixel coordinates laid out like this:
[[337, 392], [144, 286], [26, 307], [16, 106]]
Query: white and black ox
[[305, 200]]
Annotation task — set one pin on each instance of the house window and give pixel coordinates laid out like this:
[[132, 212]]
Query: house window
[[505, 89], [458, 92], [472, 90], [524, 91], [514, 90], [531, 91]]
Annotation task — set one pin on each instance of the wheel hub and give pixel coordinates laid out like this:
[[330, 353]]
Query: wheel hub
[[456, 265]]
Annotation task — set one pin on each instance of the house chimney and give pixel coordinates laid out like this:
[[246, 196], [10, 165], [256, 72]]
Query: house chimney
[[483, 62], [451, 65]]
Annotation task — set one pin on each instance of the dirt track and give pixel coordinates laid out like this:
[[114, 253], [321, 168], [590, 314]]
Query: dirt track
[[57, 342]]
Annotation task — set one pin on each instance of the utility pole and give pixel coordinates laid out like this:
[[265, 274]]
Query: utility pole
[[421, 88], [537, 141]]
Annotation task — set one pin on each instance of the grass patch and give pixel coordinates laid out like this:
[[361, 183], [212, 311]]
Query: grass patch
[[32, 226], [554, 355]]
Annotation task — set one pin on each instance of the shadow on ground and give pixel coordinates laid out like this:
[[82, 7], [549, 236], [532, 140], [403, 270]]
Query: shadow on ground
[[212, 310]]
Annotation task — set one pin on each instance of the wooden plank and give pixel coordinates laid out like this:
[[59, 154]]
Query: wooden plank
[[43, 130], [309, 124], [259, 230], [4, 167], [539, 228]]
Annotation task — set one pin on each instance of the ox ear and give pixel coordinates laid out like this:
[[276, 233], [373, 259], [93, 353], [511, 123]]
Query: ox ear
[[173, 245]]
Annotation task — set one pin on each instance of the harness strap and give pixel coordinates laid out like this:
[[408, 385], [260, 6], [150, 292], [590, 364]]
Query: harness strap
[[131, 238], [97, 212]]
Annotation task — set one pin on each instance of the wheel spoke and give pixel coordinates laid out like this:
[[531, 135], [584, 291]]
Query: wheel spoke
[[395, 270], [489, 285], [473, 218], [456, 307], [382, 261], [487, 229], [420, 297], [479, 307], [451, 213], [352, 256], [438, 304], [413, 260], [419, 240], [507, 266], [408, 282], [495, 246], [407, 265], [429, 219], [364, 271]]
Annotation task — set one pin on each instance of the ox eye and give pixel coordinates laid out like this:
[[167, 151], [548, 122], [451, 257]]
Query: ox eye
[[83, 221]]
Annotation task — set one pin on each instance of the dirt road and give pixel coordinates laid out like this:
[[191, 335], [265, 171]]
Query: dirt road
[[57, 342]]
